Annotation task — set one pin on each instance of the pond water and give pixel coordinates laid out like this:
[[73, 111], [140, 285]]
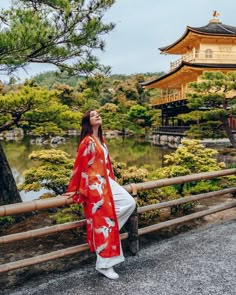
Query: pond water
[[132, 151]]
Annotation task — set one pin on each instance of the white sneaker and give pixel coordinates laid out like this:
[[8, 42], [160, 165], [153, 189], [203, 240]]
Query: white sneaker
[[109, 273]]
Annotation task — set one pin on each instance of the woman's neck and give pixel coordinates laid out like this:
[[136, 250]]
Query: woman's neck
[[95, 132]]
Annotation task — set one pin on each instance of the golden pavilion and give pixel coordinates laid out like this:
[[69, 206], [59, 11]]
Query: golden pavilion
[[208, 48]]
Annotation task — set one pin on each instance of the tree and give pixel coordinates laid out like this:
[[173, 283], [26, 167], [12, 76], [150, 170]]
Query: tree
[[39, 112], [63, 33], [7, 182], [67, 95], [113, 118], [60, 32], [51, 78], [53, 172], [129, 90], [190, 157], [212, 100], [33, 108], [90, 89], [140, 115]]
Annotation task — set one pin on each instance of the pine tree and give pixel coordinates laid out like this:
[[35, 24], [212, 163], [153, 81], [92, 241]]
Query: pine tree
[[63, 33], [213, 101]]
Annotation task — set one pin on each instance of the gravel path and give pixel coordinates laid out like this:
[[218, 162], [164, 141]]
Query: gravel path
[[197, 262]]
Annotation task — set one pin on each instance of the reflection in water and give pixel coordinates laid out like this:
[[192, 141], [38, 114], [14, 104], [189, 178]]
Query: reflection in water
[[132, 151], [32, 195]]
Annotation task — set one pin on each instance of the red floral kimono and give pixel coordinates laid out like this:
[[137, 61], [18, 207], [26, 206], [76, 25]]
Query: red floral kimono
[[91, 183]]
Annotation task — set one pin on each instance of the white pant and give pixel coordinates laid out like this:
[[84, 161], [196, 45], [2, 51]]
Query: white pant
[[124, 206]]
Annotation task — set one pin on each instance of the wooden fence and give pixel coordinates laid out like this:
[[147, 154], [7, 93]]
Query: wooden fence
[[133, 231]]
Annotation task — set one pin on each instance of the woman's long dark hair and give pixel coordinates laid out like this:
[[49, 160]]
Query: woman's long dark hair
[[87, 129]]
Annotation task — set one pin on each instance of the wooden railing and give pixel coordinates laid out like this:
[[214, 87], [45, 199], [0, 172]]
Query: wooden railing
[[180, 130], [133, 232], [203, 56], [168, 98]]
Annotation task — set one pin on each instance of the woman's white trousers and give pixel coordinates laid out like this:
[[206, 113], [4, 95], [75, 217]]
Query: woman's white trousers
[[124, 206]]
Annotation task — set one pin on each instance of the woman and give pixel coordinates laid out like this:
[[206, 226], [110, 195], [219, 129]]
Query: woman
[[107, 206]]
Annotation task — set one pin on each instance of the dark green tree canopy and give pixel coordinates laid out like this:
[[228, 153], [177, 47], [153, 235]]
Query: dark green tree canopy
[[213, 102], [37, 110], [64, 33]]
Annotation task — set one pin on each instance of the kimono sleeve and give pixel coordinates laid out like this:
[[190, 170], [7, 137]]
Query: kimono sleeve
[[79, 179]]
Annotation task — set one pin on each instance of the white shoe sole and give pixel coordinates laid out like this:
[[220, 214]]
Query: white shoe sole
[[108, 274]]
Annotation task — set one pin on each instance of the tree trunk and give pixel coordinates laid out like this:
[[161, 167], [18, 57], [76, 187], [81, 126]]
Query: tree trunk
[[228, 131], [8, 190]]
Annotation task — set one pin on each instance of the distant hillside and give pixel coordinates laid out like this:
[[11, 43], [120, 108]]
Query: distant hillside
[[48, 79]]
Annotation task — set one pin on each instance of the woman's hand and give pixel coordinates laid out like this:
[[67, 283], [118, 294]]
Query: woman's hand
[[69, 194]]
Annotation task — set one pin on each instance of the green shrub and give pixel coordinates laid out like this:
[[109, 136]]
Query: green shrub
[[203, 186], [68, 214], [53, 172], [6, 221]]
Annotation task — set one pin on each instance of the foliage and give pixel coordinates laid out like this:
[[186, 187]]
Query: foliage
[[209, 129], [117, 169], [6, 221], [212, 100], [63, 33], [148, 198], [155, 117], [123, 98], [70, 213], [67, 95], [190, 157], [133, 174], [201, 187], [36, 110], [194, 116], [53, 173], [51, 78], [91, 89], [130, 90], [227, 181], [140, 115], [113, 118]]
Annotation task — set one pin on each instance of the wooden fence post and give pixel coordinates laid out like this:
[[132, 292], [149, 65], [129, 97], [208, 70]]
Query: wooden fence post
[[132, 226]]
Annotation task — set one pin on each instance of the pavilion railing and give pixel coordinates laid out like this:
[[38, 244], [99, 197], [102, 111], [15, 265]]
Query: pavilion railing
[[133, 231], [168, 98], [170, 129], [206, 56]]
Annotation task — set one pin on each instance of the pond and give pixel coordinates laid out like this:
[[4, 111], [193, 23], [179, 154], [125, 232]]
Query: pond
[[132, 151]]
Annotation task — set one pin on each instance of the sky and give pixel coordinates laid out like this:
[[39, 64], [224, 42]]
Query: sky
[[143, 26]]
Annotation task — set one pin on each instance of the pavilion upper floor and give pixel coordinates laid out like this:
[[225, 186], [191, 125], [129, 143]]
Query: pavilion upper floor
[[174, 85], [213, 43], [208, 48], [208, 54]]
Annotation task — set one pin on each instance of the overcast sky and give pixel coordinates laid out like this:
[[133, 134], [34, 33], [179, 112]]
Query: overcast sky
[[142, 26]]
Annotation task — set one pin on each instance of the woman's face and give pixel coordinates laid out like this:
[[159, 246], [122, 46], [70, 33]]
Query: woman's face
[[95, 119]]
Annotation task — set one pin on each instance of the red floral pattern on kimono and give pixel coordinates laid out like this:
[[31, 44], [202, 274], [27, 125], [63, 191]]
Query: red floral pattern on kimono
[[91, 183]]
